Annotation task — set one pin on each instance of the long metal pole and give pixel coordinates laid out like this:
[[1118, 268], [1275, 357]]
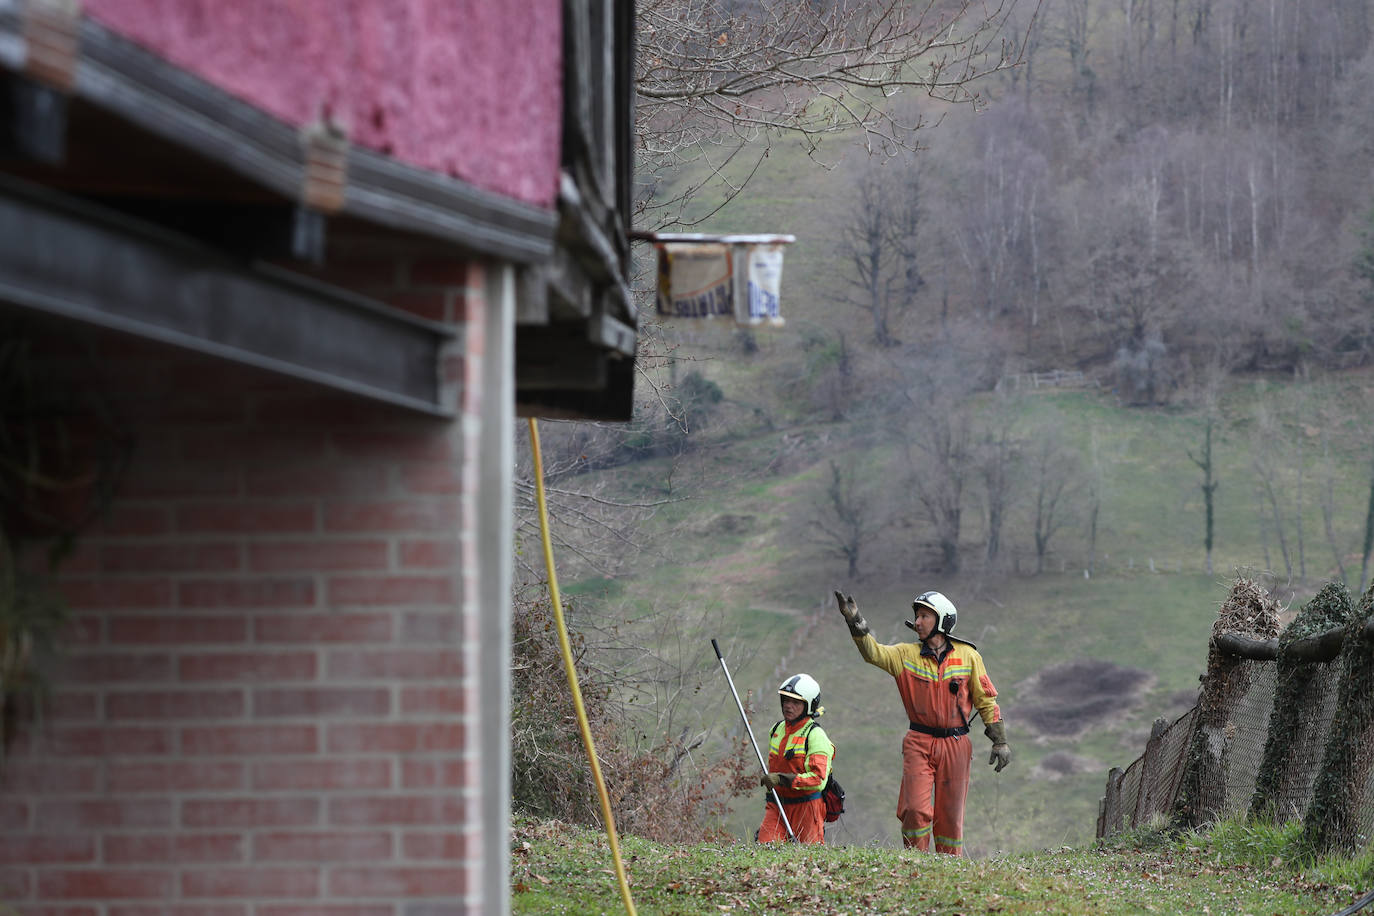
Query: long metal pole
[[777, 800]]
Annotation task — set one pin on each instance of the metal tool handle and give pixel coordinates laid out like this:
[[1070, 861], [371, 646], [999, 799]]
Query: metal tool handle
[[763, 764]]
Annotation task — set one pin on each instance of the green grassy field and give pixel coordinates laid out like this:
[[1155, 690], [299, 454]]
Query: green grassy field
[[558, 869], [733, 564]]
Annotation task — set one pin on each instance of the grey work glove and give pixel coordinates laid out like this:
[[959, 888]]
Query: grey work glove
[[849, 610], [1001, 751], [773, 780]]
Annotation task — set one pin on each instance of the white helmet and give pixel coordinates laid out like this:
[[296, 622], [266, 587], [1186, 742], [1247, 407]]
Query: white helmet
[[945, 614], [802, 687]]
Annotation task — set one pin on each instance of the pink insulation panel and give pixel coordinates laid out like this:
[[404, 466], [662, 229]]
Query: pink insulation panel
[[467, 88]]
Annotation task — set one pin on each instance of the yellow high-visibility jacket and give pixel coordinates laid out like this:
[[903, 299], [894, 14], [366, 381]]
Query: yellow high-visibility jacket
[[937, 694], [805, 751]]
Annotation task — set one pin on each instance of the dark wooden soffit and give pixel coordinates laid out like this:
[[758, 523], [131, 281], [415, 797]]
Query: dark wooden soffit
[[147, 91], [75, 260]]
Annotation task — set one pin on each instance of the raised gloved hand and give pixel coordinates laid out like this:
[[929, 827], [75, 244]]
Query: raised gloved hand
[[849, 610], [773, 780], [1001, 751]]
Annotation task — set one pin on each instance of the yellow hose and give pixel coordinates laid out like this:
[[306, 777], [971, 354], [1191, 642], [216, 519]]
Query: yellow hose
[[573, 688]]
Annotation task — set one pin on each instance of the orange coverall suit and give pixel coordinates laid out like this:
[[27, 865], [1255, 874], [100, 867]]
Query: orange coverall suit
[[788, 747], [939, 695]]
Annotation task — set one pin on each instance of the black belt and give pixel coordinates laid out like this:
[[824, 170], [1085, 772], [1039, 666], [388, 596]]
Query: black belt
[[939, 732], [796, 801]]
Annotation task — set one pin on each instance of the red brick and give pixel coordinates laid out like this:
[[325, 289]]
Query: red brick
[[70, 706], [246, 593], [175, 704], [103, 884], [43, 849], [430, 627], [250, 739], [109, 741], [395, 737], [102, 814], [397, 810], [184, 909], [425, 554], [82, 560], [251, 882], [174, 776], [21, 910], [246, 518], [123, 849], [15, 884], [48, 776], [176, 630], [322, 847], [292, 909], [14, 815], [125, 520], [354, 271], [390, 515], [427, 443], [430, 478], [318, 556], [104, 593], [249, 812], [321, 701], [445, 272], [233, 445], [170, 557], [302, 482], [436, 846], [447, 773], [397, 882], [389, 590], [82, 630], [393, 664], [250, 666], [164, 482], [322, 628], [92, 668], [355, 773], [322, 412], [434, 700], [432, 305]]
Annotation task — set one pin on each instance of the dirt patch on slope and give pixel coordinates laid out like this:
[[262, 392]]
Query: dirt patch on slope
[[1066, 699]]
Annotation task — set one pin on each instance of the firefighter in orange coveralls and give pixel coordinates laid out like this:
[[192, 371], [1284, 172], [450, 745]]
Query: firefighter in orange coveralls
[[799, 755], [941, 681]]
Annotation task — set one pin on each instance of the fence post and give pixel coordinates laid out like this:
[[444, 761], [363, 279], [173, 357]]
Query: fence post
[[1148, 797], [1283, 780], [1338, 795], [1112, 817], [1249, 610]]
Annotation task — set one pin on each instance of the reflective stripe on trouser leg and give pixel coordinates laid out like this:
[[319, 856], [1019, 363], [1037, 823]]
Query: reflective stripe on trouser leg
[[807, 820], [935, 775], [953, 759]]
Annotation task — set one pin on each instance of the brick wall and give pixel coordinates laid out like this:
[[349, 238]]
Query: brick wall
[[268, 704]]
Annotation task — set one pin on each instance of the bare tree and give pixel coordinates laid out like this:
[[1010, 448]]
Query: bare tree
[[1054, 479], [1267, 464], [716, 79], [996, 456], [878, 244], [846, 515], [1368, 546]]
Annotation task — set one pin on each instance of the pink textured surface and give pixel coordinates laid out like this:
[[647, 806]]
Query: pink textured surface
[[468, 88]]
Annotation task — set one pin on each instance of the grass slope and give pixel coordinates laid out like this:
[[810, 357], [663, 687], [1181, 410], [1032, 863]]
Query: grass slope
[[565, 870], [739, 567]]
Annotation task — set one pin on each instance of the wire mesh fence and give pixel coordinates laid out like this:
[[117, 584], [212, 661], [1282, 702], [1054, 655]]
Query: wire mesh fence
[[1283, 729]]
